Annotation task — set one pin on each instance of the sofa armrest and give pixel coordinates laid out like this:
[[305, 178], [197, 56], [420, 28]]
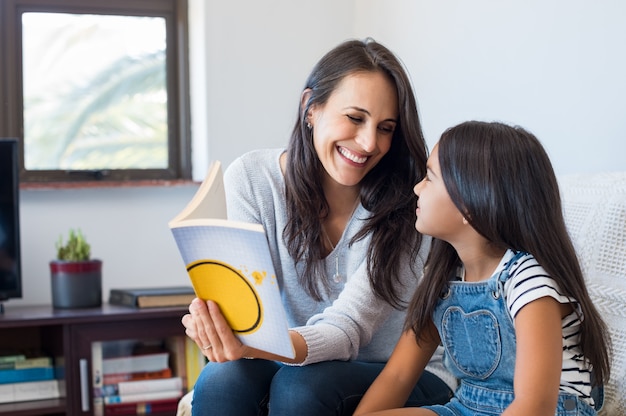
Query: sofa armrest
[[594, 207]]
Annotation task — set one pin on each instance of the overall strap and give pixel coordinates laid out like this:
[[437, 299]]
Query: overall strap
[[504, 274]]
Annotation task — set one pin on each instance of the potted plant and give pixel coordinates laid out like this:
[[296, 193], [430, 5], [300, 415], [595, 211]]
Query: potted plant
[[76, 278]]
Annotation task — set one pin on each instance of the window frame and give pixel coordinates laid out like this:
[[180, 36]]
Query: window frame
[[177, 82]]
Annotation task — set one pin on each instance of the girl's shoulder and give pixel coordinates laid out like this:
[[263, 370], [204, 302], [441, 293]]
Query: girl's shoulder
[[529, 281]]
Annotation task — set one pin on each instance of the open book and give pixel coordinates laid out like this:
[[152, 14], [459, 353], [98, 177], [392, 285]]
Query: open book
[[229, 262]]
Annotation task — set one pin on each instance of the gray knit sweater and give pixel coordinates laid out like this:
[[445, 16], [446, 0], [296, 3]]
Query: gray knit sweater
[[353, 324]]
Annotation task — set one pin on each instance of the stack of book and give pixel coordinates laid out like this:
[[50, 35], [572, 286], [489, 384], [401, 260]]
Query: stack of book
[[137, 384], [25, 378]]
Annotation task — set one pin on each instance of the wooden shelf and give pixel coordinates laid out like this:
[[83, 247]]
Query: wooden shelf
[[68, 333]]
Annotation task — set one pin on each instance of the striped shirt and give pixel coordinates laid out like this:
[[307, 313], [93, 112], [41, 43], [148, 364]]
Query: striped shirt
[[529, 282]]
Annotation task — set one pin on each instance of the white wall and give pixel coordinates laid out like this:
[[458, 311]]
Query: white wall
[[126, 227], [257, 55], [554, 67]]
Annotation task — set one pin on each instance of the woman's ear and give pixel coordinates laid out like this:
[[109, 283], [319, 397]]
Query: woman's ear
[[304, 99]]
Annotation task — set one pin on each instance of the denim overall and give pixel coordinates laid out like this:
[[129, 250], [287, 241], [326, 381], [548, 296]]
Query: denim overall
[[477, 332]]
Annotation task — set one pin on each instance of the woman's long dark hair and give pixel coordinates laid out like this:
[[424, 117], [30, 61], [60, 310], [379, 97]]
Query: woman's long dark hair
[[501, 179], [385, 191]]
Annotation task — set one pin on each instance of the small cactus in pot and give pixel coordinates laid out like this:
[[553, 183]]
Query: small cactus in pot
[[76, 248], [76, 277]]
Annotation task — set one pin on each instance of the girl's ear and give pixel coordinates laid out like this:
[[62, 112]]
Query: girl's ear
[[466, 217]]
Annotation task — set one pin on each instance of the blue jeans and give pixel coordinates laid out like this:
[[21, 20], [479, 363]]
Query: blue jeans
[[260, 387]]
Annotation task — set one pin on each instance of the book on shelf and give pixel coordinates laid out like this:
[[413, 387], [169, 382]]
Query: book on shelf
[[194, 362], [143, 397], [26, 374], [11, 358], [136, 363], [126, 388], [97, 379], [230, 263], [151, 297], [176, 347], [142, 375], [141, 408], [32, 390], [59, 366], [32, 362]]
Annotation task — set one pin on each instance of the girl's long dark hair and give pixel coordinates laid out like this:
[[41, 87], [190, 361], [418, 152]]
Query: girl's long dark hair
[[501, 179], [385, 190]]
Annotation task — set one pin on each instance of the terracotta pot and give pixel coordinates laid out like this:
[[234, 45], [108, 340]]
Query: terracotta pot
[[76, 284]]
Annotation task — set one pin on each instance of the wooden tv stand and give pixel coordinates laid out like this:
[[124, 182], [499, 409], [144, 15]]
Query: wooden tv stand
[[68, 333]]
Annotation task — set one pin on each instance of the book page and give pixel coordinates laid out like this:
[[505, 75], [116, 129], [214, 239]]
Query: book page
[[209, 200]]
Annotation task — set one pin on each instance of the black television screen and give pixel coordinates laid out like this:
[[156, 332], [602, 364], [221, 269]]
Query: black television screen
[[10, 270]]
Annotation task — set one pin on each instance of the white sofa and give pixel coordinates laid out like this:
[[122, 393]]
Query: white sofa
[[594, 206], [595, 213]]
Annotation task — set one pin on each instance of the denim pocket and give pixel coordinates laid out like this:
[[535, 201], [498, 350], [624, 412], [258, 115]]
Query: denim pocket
[[570, 405], [472, 341]]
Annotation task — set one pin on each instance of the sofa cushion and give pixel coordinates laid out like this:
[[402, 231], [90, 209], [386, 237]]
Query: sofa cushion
[[594, 207], [184, 405]]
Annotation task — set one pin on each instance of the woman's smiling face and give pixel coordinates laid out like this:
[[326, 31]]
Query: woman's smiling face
[[352, 131]]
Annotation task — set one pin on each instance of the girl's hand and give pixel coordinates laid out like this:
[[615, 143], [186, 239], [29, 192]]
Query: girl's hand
[[392, 387], [206, 325], [539, 357]]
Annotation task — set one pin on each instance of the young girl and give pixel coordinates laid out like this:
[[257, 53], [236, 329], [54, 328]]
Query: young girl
[[502, 290]]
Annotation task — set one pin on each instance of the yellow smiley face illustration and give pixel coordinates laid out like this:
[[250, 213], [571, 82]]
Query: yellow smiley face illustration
[[226, 286]]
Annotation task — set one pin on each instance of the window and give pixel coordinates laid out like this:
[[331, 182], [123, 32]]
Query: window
[[96, 90]]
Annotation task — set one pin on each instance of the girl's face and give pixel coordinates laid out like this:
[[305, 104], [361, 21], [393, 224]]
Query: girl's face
[[437, 215], [352, 131]]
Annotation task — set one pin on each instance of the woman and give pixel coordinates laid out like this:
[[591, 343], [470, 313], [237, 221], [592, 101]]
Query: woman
[[338, 212]]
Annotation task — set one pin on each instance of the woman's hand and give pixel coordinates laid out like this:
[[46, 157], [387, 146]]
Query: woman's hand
[[206, 325], [208, 328]]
